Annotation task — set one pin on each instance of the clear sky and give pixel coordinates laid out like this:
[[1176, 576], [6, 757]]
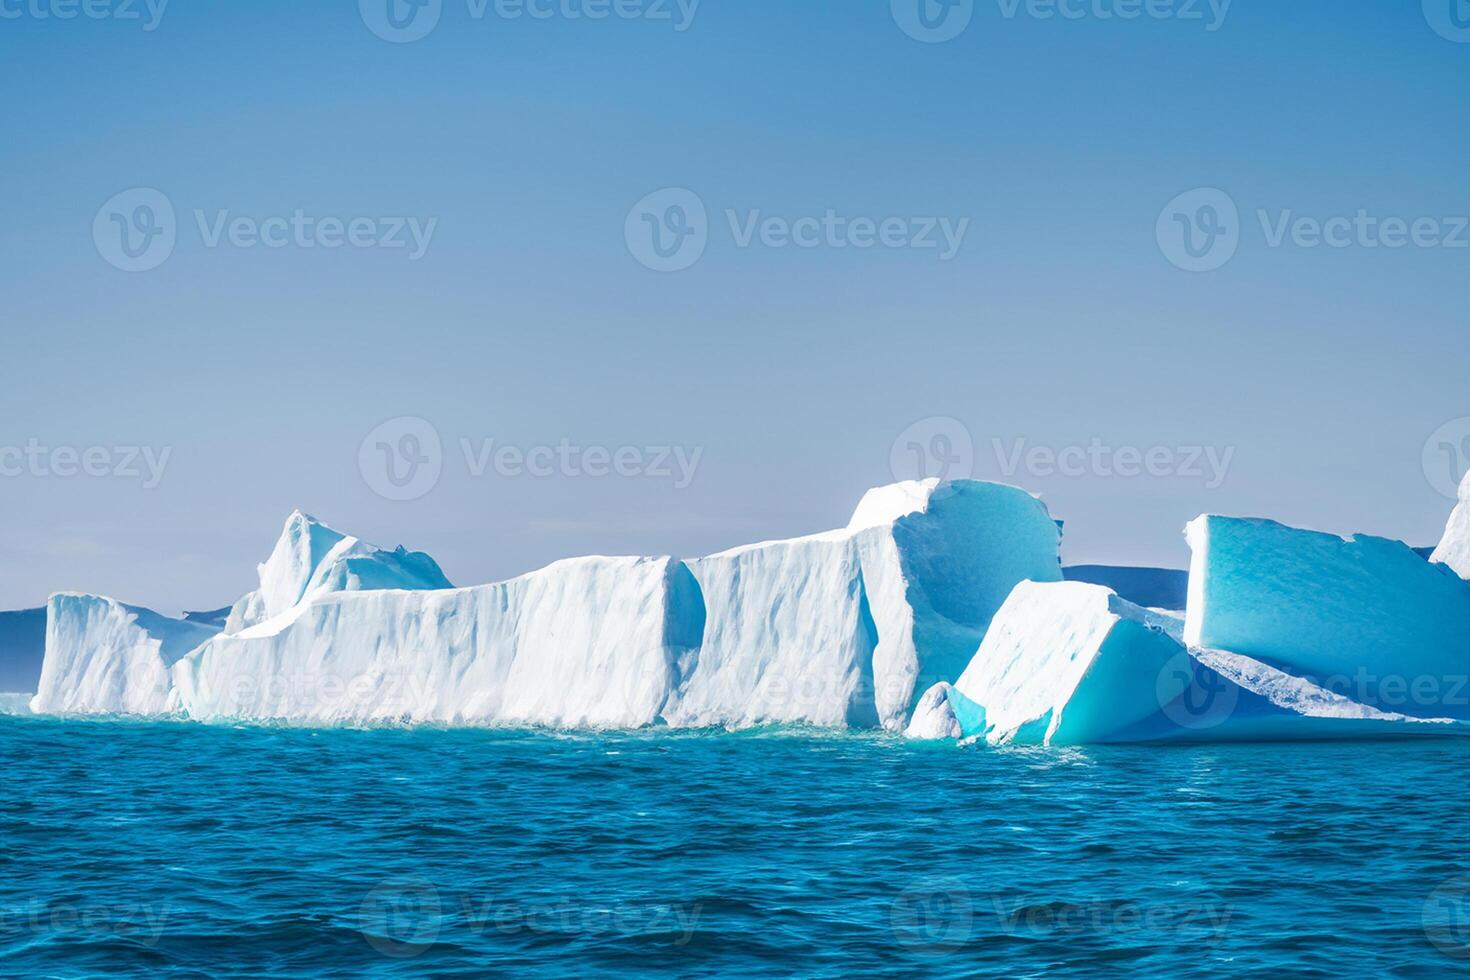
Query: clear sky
[[1051, 148]]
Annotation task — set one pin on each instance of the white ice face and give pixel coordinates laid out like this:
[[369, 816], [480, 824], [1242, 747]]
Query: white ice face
[[838, 629], [1454, 547]]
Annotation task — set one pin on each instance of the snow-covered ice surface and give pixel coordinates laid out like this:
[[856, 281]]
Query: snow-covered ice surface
[[1362, 616], [103, 657], [1454, 547]]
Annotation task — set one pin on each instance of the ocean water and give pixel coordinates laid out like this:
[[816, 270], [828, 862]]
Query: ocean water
[[170, 849]]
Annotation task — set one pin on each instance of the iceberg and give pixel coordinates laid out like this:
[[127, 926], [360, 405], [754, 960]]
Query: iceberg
[[944, 713], [1075, 664], [104, 657], [311, 560], [1454, 547], [848, 627], [1069, 663], [940, 611], [834, 629], [583, 643], [1362, 616]]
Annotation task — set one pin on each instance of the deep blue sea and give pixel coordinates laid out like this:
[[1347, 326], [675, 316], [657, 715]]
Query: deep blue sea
[[164, 849]]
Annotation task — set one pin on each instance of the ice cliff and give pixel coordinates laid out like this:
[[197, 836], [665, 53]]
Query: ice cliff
[[843, 628], [589, 642], [1362, 615], [850, 626], [103, 657]]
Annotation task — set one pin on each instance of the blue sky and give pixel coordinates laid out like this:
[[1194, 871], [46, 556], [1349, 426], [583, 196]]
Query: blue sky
[[1060, 323]]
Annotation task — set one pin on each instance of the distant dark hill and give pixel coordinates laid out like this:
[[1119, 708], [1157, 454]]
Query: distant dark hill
[[1163, 588], [22, 647]]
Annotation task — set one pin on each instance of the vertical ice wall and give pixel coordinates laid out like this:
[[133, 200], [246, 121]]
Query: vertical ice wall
[[1363, 616], [836, 629], [103, 657]]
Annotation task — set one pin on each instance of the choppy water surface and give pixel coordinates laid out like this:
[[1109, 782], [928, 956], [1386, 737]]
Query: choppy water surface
[[158, 849]]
